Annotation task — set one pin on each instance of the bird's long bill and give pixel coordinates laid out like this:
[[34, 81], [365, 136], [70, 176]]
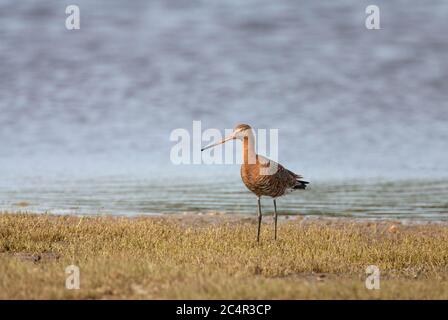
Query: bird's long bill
[[230, 137]]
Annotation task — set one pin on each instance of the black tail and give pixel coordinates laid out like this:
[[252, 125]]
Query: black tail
[[301, 184]]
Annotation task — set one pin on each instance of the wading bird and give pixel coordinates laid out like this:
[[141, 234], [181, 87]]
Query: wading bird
[[261, 175]]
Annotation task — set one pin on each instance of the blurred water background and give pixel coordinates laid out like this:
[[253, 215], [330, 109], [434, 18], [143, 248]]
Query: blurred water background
[[86, 115]]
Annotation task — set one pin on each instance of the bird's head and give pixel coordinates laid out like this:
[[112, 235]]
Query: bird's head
[[240, 131]]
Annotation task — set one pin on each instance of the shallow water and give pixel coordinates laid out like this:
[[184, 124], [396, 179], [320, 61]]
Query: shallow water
[[85, 116], [405, 200]]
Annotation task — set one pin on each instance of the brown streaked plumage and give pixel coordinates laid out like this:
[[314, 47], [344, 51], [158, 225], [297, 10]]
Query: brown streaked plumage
[[262, 176], [279, 184]]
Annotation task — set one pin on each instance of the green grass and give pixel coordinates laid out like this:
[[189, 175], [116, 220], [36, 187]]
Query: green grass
[[204, 257]]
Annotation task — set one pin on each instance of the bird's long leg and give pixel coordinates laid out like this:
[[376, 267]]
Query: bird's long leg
[[275, 220], [259, 220]]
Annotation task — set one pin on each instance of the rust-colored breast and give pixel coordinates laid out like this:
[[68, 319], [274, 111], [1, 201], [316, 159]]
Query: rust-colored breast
[[274, 185]]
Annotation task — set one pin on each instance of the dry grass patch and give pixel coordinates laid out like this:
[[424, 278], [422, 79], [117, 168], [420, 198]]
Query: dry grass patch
[[216, 257]]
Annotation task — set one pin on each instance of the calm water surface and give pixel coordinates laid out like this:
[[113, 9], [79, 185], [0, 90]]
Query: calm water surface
[[85, 116]]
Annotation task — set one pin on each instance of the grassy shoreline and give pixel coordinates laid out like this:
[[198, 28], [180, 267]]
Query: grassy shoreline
[[217, 257]]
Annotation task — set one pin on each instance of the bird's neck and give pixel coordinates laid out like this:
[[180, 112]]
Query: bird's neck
[[249, 155]]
